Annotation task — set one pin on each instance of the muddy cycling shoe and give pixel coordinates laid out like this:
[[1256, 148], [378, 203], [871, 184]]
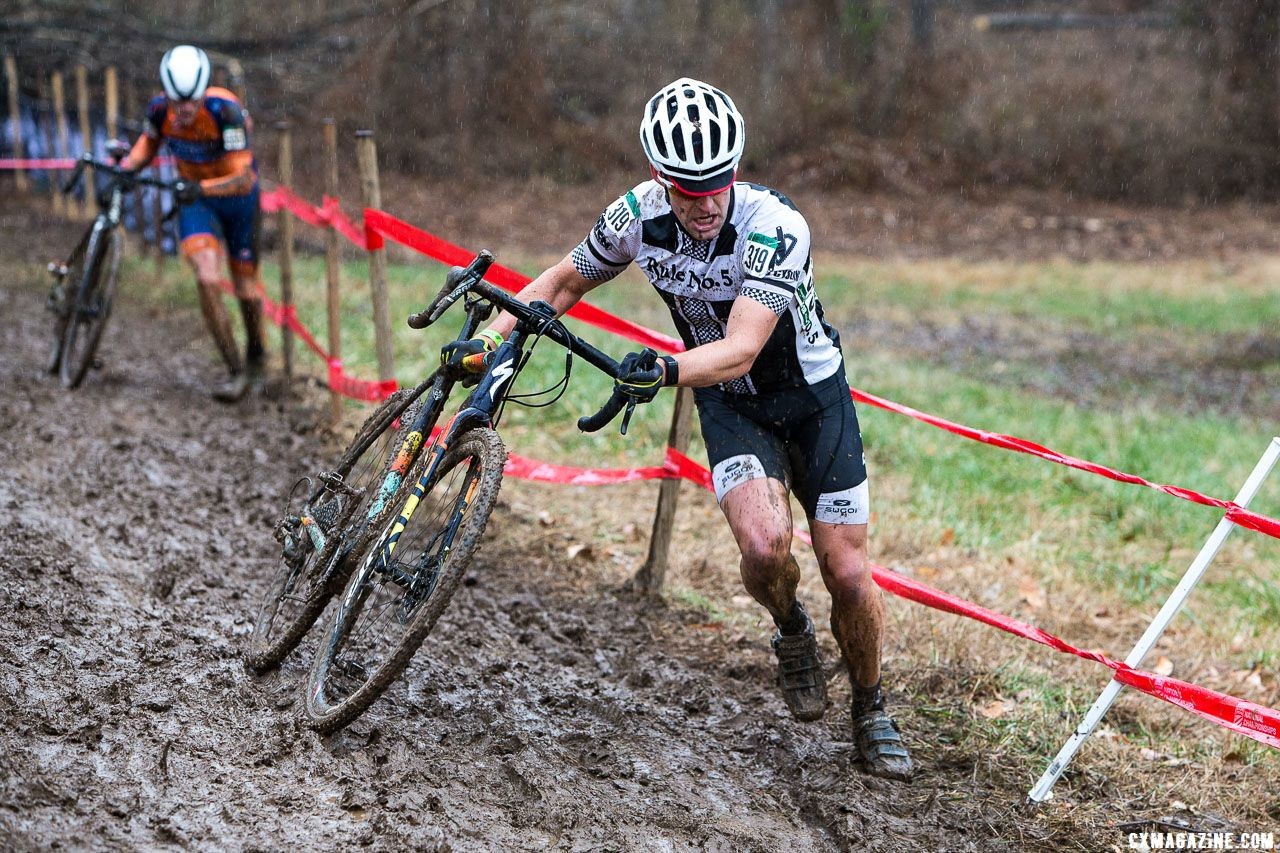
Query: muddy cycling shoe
[[231, 389], [804, 688], [256, 372], [880, 742]]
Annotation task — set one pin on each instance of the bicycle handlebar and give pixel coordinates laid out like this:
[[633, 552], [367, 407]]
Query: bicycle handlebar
[[539, 314], [87, 159], [454, 287]]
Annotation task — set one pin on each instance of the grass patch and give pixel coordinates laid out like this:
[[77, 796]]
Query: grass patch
[[1122, 300]]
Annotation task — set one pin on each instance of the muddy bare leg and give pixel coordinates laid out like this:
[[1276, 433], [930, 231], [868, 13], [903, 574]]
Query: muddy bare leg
[[206, 263], [247, 292], [857, 606], [857, 620], [760, 517]]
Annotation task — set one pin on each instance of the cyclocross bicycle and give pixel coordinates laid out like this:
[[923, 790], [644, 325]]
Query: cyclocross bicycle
[[400, 517], [85, 284]]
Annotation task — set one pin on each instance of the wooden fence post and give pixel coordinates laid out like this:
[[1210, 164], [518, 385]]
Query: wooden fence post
[[650, 578], [157, 217], [86, 138], [111, 85], [235, 80], [45, 137], [15, 121], [367, 160], [60, 204], [333, 263], [284, 223], [138, 197]]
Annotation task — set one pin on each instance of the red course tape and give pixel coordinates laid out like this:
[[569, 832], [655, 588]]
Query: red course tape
[[1251, 720]]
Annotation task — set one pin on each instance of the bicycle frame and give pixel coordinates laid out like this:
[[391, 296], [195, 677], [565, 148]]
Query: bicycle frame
[[479, 410]]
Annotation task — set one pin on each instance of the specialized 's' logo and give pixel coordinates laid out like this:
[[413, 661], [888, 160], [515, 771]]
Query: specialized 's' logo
[[501, 375]]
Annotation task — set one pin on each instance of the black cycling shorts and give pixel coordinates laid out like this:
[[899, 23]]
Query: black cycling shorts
[[807, 438]]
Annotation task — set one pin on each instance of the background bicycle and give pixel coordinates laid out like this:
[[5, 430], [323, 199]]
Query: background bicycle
[[85, 283]]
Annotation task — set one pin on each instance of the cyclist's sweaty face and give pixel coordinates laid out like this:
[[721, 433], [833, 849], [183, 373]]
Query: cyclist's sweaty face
[[702, 216], [184, 112]]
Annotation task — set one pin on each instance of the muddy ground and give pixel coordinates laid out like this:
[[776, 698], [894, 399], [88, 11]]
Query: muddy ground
[[549, 709]]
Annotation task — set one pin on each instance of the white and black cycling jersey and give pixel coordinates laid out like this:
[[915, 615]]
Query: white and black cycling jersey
[[761, 253]]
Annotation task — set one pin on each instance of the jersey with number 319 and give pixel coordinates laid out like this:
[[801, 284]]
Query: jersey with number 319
[[761, 253]]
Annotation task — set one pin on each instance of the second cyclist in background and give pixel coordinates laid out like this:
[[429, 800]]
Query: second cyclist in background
[[207, 131]]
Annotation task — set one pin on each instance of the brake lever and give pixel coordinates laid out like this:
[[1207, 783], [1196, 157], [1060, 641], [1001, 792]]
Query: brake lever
[[626, 416]]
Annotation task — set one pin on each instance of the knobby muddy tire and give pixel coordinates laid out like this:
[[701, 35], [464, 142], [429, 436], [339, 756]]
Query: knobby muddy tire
[[98, 284], [268, 648], [70, 286], [482, 444]]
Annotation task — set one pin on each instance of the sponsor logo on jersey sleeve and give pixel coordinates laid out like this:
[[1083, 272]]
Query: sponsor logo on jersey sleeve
[[622, 213], [234, 139]]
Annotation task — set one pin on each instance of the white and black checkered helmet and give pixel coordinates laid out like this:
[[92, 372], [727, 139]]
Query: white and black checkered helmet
[[185, 73], [693, 136]]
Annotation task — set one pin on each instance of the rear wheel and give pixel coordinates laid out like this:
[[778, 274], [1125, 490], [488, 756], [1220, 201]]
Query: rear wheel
[[92, 307], [409, 567], [62, 298], [306, 577]]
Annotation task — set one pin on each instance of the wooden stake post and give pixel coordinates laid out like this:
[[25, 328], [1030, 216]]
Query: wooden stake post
[[111, 85], [653, 573], [132, 110], [86, 139], [64, 136], [285, 224], [367, 160], [15, 121], [333, 262]]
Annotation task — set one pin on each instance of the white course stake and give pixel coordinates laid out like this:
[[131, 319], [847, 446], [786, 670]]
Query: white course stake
[[1044, 788]]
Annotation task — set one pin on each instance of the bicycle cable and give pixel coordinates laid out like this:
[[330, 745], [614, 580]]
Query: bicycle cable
[[558, 388]]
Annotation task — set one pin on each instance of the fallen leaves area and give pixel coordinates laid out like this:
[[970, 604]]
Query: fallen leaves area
[[548, 709]]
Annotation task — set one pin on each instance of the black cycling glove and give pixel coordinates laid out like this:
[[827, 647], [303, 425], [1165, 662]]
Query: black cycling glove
[[639, 377], [470, 356], [186, 192]]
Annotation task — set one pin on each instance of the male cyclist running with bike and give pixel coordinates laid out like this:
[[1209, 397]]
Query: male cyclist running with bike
[[732, 262], [207, 132]]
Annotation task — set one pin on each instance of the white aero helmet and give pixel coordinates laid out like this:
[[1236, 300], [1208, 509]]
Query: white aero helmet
[[185, 73], [693, 136]]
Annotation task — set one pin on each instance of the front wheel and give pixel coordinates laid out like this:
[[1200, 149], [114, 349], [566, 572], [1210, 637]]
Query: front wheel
[[62, 298], [92, 307], [409, 567], [306, 576]]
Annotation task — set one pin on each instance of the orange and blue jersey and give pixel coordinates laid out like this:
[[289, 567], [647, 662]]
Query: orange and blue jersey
[[213, 148]]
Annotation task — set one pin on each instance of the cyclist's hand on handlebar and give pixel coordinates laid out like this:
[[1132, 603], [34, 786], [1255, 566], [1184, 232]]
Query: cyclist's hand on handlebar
[[187, 192], [470, 357], [639, 376]]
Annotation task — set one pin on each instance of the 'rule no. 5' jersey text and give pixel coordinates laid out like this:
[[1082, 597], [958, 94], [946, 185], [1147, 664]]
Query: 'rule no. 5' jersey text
[[761, 253]]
